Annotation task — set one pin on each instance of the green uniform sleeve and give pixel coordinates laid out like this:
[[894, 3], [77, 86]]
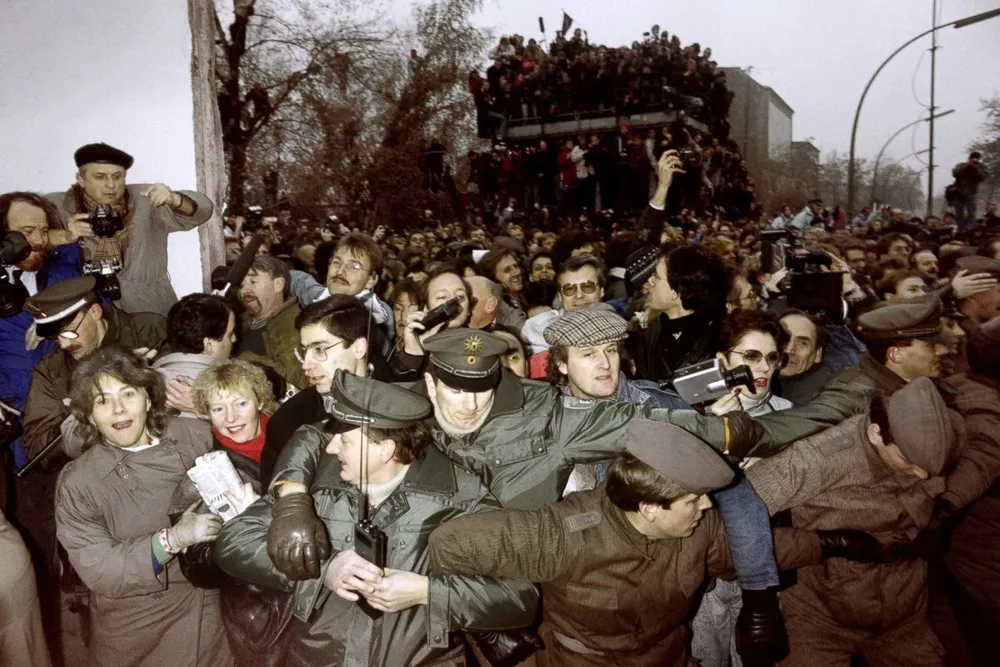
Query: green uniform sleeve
[[592, 431], [241, 548], [299, 459], [838, 400]]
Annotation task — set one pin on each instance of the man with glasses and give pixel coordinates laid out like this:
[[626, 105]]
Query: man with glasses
[[332, 336], [354, 270], [269, 320], [69, 313], [580, 282]]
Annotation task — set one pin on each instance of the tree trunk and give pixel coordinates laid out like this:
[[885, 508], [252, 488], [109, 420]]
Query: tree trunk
[[237, 160], [208, 146]]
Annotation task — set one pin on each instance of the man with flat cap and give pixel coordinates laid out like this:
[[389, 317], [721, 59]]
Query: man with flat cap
[[349, 610], [621, 566], [879, 472], [148, 212]]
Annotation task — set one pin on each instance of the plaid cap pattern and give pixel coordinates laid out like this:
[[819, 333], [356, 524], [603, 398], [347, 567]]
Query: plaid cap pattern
[[591, 325], [640, 265]]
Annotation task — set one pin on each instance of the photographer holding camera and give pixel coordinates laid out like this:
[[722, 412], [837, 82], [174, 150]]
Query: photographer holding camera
[[127, 224]]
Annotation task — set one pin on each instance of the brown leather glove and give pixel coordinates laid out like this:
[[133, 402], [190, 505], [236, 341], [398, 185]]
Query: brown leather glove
[[743, 432], [296, 539]]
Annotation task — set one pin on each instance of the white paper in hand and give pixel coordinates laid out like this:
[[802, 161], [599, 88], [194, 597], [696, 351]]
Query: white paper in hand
[[213, 474]]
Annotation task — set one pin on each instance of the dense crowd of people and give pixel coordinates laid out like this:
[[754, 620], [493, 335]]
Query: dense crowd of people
[[504, 440]]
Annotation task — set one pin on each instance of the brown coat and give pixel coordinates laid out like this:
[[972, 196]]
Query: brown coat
[[836, 480], [280, 339], [109, 503], [610, 595], [144, 278], [22, 642]]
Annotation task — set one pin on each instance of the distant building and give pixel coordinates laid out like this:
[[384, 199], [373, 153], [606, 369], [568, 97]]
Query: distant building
[[805, 163], [761, 121]]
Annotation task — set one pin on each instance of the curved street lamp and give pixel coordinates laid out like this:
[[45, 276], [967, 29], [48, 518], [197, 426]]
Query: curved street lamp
[[878, 158], [960, 23]]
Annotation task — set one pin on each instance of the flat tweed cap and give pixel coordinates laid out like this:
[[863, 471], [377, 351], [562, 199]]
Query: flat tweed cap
[[979, 264], [922, 426], [640, 265], [362, 401], [595, 324], [55, 306], [677, 455], [466, 359], [103, 154], [913, 318]]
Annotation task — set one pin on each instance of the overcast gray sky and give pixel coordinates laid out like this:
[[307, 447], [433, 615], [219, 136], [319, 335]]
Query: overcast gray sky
[[817, 55]]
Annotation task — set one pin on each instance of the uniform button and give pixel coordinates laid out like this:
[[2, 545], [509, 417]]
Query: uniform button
[[348, 538], [437, 638], [497, 461]]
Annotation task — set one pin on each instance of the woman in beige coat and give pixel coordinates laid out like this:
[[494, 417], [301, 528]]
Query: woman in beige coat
[[112, 508], [22, 641]]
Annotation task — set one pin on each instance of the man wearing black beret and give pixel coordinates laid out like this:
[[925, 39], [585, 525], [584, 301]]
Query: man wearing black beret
[[148, 212]]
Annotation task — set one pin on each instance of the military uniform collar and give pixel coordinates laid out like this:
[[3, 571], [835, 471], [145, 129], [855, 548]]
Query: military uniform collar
[[887, 381], [639, 543], [432, 474]]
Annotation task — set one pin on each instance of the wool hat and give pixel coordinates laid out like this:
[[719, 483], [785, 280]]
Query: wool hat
[[677, 455], [594, 324], [979, 264], [641, 264], [102, 153]]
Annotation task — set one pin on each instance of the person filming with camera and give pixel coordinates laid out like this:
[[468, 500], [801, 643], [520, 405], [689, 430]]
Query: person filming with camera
[[128, 223]]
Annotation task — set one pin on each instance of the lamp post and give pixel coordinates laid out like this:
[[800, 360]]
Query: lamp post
[[961, 23], [878, 158]]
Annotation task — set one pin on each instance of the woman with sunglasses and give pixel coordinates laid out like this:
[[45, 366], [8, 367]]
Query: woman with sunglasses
[[756, 339]]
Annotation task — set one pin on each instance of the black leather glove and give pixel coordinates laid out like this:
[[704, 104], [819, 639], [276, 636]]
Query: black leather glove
[[743, 433], [761, 639], [296, 539], [856, 545], [506, 648]]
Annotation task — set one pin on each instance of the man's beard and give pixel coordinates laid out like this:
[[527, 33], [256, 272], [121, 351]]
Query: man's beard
[[252, 304], [34, 261]]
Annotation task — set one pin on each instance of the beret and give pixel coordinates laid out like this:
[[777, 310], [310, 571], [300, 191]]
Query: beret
[[363, 401], [677, 455], [102, 153], [56, 305], [979, 264], [640, 265], [913, 318], [466, 359], [923, 427], [593, 324]]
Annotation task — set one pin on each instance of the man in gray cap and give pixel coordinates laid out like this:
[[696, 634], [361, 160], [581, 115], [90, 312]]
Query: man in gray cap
[[147, 213], [620, 566], [878, 471], [70, 313], [395, 612], [984, 304]]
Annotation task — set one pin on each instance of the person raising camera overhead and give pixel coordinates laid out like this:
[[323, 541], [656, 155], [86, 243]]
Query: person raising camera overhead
[[129, 223]]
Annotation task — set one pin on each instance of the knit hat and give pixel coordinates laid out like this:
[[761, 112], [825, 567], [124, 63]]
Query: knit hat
[[641, 264]]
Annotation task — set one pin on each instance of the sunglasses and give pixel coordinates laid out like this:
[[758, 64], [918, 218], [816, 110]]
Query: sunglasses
[[570, 289], [773, 359]]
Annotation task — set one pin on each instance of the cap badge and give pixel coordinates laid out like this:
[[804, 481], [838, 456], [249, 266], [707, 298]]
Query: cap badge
[[473, 345]]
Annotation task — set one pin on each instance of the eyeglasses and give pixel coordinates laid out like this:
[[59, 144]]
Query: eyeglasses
[[773, 359], [71, 334], [570, 289], [319, 352], [352, 265]]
